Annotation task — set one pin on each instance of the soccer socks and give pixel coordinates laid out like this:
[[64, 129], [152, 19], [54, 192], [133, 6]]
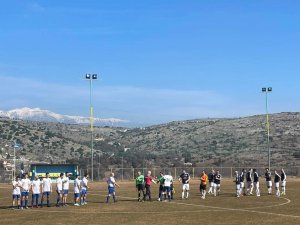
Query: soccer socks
[[107, 199], [187, 195], [182, 195], [114, 197], [283, 191], [26, 203]]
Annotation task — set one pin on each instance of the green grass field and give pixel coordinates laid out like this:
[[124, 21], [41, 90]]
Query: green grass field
[[223, 209]]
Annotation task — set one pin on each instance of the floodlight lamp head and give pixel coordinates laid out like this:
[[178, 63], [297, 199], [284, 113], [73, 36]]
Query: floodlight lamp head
[[94, 76], [269, 89], [264, 89], [87, 76]]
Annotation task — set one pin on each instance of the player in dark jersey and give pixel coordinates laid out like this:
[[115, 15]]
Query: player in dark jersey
[[277, 179], [185, 179], [242, 175], [256, 182], [249, 182], [211, 181], [268, 177], [217, 182], [160, 181], [283, 182]]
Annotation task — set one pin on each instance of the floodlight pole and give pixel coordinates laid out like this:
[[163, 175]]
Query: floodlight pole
[[267, 90], [91, 77], [14, 173]]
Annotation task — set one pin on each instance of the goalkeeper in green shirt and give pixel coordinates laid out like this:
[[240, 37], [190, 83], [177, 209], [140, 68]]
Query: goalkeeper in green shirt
[[139, 182], [161, 181]]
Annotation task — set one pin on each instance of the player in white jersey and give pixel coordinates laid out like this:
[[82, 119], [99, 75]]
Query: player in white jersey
[[111, 182], [77, 183], [16, 193], [66, 186], [283, 182], [84, 188], [46, 189], [168, 180], [36, 191], [276, 182], [25, 187], [59, 190]]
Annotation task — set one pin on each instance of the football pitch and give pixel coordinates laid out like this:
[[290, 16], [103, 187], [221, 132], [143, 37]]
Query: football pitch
[[223, 209]]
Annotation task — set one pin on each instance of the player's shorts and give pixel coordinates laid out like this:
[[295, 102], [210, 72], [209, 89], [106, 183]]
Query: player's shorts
[[25, 193], [76, 195], [35, 195], [242, 184], [46, 193], [277, 184], [161, 188], [202, 187], [217, 185], [249, 183], [269, 183], [283, 184], [83, 192], [238, 187], [16, 196], [65, 191], [256, 184], [140, 187], [186, 187], [59, 192], [211, 184], [111, 190], [167, 189]]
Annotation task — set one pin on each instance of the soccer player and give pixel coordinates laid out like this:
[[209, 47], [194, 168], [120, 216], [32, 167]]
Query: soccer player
[[283, 182], [161, 182], [242, 175], [84, 188], [256, 182], [66, 186], [276, 182], [167, 185], [203, 179], [268, 177], [139, 182], [77, 183], [25, 187], [249, 182], [184, 178], [36, 191], [111, 182], [237, 184], [217, 182], [59, 190], [211, 181], [16, 193], [46, 189], [148, 180]]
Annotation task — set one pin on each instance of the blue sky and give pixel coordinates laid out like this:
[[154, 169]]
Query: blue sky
[[157, 61]]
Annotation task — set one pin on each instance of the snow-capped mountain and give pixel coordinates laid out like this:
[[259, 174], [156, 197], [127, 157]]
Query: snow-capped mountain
[[37, 114]]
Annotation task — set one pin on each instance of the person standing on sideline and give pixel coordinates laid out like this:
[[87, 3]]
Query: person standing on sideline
[[268, 177], [203, 183], [59, 190], [242, 175], [46, 189], [276, 182], [249, 182], [16, 193], [237, 184], [77, 183], [256, 182], [211, 181], [139, 183], [84, 189], [25, 187], [66, 186], [111, 182], [148, 181], [185, 179], [161, 182], [283, 182], [217, 181], [167, 185], [36, 191]]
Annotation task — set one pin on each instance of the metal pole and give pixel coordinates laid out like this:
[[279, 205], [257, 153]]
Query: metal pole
[[268, 132], [14, 173], [92, 130], [122, 169]]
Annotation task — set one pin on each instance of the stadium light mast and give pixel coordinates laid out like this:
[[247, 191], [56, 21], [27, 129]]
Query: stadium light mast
[[266, 91], [91, 77]]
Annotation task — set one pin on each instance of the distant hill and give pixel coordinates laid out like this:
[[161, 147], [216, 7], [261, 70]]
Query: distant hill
[[203, 142]]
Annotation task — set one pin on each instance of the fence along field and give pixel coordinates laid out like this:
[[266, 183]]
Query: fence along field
[[223, 209]]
